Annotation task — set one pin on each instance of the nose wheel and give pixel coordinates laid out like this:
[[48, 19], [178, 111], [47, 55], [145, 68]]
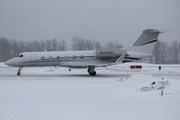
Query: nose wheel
[[19, 71]]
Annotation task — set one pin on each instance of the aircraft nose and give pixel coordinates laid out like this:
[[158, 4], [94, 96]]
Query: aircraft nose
[[9, 62]]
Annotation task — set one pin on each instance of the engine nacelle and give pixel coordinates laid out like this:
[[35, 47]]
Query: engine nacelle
[[108, 53]]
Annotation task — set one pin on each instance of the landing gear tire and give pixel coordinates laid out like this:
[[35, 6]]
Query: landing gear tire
[[18, 74], [19, 71], [91, 70], [93, 73]]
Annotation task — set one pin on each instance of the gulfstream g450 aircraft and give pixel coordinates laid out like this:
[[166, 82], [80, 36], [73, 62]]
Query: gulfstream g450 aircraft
[[142, 47]]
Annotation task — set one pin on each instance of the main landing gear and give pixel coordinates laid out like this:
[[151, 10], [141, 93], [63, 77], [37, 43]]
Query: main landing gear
[[19, 71], [91, 70]]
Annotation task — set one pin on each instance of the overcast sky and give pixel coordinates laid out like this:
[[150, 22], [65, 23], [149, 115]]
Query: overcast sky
[[99, 20]]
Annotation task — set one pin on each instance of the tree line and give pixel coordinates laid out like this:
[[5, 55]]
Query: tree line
[[163, 53]]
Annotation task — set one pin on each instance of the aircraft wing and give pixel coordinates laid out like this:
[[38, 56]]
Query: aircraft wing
[[118, 61], [121, 58]]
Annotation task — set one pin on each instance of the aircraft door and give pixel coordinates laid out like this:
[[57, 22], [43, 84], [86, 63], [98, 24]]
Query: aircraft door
[[33, 58]]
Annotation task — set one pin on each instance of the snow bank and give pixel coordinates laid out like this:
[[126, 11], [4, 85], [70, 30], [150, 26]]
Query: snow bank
[[2, 65], [147, 83]]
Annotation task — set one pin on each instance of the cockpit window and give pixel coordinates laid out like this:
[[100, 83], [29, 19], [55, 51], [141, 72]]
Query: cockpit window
[[21, 55]]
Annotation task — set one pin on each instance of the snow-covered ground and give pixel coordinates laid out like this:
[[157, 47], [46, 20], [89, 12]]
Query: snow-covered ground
[[116, 93]]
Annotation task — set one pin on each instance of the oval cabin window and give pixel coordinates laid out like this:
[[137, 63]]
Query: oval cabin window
[[58, 57], [42, 58], [66, 57], [82, 57], [74, 57], [50, 57]]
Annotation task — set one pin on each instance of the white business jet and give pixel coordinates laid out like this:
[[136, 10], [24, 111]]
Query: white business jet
[[142, 47]]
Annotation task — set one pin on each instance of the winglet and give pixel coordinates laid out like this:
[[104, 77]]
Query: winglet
[[121, 58]]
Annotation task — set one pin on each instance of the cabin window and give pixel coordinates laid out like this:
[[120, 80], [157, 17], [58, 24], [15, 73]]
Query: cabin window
[[42, 58], [50, 57], [74, 57], [21, 55], [81, 57], [58, 57], [66, 57]]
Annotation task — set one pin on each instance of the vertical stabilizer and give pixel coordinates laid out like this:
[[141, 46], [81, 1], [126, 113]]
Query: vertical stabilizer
[[146, 41]]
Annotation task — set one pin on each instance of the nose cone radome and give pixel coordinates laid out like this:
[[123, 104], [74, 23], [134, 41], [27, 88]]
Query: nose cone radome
[[10, 62]]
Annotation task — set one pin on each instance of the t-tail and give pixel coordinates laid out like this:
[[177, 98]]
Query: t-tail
[[144, 45]]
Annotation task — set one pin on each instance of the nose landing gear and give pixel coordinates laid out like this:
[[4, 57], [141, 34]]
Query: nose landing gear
[[19, 71]]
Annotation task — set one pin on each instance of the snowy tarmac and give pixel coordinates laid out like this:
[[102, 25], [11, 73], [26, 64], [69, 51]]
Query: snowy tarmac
[[47, 93]]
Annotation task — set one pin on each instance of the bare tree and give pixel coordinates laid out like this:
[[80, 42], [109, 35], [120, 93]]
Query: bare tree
[[169, 54], [5, 50], [97, 45], [156, 52], [111, 44], [54, 45], [160, 52], [89, 45], [78, 43], [43, 46], [62, 45], [14, 48], [35, 46], [48, 45], [175, 51], [163, 52]]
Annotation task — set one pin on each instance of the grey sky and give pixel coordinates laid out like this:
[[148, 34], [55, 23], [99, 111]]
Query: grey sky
[[100, 20]]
